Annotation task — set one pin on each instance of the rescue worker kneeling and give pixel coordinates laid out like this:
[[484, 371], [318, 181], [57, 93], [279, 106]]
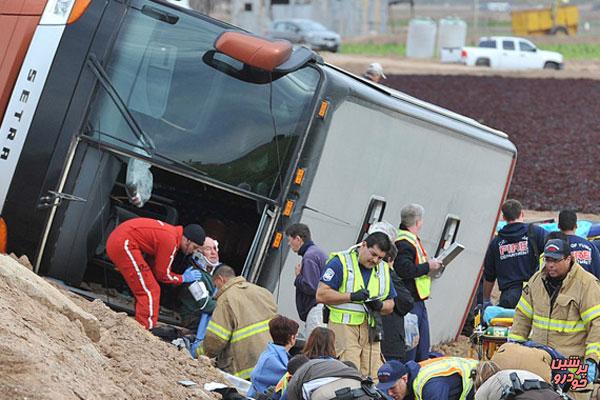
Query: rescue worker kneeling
[[238, 331], [356, 287], [444, 378]]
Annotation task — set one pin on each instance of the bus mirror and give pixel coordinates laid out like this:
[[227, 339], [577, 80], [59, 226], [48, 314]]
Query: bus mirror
[[252, 50]]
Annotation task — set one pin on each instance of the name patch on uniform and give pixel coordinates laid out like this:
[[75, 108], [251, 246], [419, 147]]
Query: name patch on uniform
[[328, 274]]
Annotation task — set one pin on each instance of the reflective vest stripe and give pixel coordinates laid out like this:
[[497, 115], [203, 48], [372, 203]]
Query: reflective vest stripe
[[591, 313], [525, 307], [423, 282], [516, 337], [244, 374], [219, 331], [250, 330], [445, 366], [379, 286], [558, 325], [592, 349]]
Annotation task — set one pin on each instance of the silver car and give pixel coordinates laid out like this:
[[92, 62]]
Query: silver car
[[305, 31]]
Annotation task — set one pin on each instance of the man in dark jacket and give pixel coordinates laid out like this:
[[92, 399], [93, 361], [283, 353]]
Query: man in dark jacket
[[512, 256], [393, 345], [308, 274], [585, 252], [414, 267]]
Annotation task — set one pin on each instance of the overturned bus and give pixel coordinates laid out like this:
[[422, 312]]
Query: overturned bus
[[104, 100]]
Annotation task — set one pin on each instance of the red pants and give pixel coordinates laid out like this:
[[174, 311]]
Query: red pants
[[139, 276]]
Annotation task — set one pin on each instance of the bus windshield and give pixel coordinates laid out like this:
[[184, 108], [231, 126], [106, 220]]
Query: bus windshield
[[240, 132]]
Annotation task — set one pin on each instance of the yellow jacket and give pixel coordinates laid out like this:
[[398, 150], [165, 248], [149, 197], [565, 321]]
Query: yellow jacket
[[571, 325], [238, 331]]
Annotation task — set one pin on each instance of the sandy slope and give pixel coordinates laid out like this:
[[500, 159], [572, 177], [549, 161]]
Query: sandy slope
[[54, 345]]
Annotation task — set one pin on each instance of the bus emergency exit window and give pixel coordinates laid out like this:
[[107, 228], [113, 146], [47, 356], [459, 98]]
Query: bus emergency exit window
[[374, 213], [449, 233]]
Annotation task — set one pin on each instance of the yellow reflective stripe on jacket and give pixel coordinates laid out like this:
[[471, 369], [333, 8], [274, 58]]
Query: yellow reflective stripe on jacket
[[592, 349], [244, 374], [219, 331], [246, 332], [516, 337], [445, 367], [591, 313], [525, 307], [422, 283], [557, 325]]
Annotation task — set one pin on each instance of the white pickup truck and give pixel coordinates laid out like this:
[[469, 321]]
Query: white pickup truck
[[506, 52]]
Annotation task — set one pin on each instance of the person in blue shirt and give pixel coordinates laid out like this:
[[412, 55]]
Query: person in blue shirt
[[585, 253], [272, 363], [512, 256], [444, 378], [356, 288]]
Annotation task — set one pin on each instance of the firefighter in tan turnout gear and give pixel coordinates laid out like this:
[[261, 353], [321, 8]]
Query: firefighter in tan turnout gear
[[238, 331], [559, 307]]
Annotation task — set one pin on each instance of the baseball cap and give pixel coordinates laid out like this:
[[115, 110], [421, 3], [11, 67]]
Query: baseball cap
[[376, 69], [389, 373], [557, 249], [195, 233]]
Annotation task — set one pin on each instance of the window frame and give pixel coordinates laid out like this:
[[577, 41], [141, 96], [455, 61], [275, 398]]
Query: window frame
[[452, 221], [376, 204]]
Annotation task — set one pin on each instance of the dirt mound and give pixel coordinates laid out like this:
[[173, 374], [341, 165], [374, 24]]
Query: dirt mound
[[458, 348], [553, 123], [55, 345]]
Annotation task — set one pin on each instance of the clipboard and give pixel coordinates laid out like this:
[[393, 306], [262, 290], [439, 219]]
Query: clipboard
[[450, 253]]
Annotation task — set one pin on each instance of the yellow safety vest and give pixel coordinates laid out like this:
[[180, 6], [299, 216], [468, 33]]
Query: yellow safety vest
[[445, 366], [423, 282], [352, 280]]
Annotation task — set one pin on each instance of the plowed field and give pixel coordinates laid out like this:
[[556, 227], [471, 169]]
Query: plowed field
[[555, 124]]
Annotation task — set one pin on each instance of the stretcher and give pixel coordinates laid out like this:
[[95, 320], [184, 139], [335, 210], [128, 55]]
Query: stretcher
[[488, 337]]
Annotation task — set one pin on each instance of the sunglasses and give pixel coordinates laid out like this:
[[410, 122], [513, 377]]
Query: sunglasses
[[553, 260]]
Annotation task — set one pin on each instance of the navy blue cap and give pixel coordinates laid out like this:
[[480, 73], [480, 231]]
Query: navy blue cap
[[557, 249], [195, 233], [389, 373]]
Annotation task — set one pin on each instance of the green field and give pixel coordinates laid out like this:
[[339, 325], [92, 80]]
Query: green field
[[374, 49], [579, 51]]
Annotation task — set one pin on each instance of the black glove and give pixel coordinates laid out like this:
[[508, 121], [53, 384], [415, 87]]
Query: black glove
[[360, 295], [374, 305]]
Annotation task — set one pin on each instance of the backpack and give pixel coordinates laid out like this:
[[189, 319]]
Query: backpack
[[530, 390]]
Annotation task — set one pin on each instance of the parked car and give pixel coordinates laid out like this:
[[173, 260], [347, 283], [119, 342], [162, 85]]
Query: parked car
[[506, 52], [305, 31]]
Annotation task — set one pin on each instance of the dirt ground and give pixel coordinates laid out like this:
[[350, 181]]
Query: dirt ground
[[55, 345]]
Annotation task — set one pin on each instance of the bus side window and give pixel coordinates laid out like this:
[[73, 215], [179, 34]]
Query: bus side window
[[449, 233], [374, 213]]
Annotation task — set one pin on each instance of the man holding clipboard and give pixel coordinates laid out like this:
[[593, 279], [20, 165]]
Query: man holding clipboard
[[415, 269]]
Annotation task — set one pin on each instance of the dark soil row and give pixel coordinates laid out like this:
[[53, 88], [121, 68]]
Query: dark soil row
[[555, 124]]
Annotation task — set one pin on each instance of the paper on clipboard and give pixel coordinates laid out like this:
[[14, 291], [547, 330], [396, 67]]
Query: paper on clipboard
[[450, 253]]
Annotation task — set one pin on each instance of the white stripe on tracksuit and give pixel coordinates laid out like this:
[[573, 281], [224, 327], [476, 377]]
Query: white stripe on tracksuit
[[141, 278], [171, 277]]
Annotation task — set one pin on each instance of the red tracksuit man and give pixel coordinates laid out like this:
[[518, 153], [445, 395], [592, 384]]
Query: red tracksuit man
[[126, 247]]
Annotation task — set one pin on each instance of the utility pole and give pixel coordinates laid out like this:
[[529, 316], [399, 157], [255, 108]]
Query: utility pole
[[475, 20]]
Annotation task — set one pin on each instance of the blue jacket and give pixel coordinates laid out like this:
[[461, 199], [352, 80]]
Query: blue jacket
[[313, 263], [271, 366], [441, 388], [510, 257], [586, 254]]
